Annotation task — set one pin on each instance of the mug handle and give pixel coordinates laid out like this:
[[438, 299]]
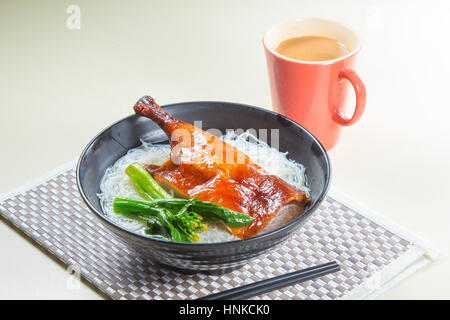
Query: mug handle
[[360, 92]]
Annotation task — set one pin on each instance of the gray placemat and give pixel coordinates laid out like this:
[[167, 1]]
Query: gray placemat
[[54, 215]]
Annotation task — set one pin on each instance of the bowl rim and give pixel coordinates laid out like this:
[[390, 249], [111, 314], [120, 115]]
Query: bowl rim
[[260, 237]]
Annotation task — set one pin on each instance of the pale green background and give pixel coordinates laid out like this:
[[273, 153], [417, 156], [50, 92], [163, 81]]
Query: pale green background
[[60, 87]]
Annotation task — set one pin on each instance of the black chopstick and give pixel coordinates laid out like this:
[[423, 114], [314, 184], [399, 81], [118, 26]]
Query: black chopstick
[[267, 285]]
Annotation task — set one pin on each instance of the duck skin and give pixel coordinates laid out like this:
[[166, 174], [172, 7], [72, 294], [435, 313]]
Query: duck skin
[[204, 166]]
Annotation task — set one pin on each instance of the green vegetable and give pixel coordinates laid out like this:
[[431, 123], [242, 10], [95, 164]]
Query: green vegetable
[[131, 206], [156, 228], [142, 217], [209, 211], [229, 217], [144, 183], [189, 221], [165, 218]]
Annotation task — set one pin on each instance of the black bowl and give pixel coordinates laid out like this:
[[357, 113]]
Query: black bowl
[[113, 142]]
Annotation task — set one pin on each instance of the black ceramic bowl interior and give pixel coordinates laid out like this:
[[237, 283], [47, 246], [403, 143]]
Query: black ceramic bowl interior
[[113, 142]]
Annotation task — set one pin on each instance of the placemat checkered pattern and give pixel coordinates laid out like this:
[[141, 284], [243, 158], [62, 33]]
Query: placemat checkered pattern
[[54, 215]]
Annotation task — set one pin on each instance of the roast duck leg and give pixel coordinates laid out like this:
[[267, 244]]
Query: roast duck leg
[[204, 166]]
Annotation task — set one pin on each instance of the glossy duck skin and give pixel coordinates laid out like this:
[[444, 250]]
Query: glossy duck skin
[[206, 167]]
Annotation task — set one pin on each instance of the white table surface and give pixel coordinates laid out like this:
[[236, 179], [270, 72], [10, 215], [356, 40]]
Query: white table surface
[[60, 87]]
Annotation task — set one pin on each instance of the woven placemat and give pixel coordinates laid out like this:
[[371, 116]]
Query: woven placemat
[[53, 214]]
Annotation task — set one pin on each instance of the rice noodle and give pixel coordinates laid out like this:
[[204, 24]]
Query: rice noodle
[[115, 182]]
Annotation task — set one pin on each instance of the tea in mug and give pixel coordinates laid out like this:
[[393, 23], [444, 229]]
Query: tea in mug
[[312, 48]]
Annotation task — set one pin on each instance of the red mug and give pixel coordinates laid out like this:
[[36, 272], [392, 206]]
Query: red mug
[[313, 93]]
